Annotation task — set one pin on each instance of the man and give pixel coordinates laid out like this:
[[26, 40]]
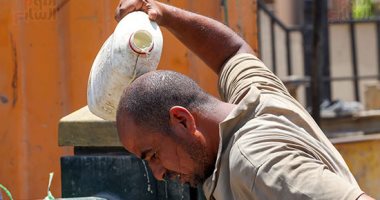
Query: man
[[261, 144]]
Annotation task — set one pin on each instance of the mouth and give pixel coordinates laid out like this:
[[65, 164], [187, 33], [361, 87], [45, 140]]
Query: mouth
[[170, 175]]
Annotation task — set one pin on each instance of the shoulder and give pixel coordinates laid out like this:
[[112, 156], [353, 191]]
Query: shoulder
[[241, 72]]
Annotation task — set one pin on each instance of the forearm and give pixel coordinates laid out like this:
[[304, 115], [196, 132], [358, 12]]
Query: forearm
[[209, 39]]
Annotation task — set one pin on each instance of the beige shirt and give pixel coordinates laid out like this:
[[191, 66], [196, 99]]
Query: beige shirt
[[270, 146]]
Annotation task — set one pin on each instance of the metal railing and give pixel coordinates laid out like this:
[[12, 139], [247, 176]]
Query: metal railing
[[287, 30], [328, 79], [355, 78]]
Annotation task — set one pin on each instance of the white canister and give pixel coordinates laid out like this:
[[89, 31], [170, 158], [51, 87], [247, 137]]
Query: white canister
[[132, 50]]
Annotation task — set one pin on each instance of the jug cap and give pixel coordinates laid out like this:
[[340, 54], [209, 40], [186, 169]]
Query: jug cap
[[141, 42]]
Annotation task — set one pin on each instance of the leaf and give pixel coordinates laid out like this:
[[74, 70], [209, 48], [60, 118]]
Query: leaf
[[6, 191]]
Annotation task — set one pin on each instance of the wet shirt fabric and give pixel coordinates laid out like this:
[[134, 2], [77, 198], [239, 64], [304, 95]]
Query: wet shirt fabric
[[270, 146]]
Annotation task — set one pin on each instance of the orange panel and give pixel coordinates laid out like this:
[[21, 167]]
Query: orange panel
[[363, 158], [46, 52], [10, 107]]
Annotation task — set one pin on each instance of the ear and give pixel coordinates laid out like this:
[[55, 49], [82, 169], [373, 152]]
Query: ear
[[182, 119]]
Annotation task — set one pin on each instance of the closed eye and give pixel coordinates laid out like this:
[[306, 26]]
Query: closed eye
[[149, 155], [154, 156]]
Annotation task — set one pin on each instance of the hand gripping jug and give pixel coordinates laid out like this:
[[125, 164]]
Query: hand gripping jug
[[132, 50]]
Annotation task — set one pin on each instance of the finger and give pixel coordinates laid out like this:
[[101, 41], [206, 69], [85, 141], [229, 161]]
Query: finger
[[125, 8], [117, 14], [117, 11], [152, 14], [151, 11]]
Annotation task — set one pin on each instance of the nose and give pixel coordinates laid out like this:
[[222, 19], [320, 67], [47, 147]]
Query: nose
[[157, 169]]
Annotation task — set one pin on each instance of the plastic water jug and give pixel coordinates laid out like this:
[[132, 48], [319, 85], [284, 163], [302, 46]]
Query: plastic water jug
[[132, 50]]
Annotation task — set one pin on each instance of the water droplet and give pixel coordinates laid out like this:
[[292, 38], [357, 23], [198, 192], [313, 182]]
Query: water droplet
[[181, 190], [149, 189], [166, 189]]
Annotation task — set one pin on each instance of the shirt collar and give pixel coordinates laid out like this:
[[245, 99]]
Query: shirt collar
[[226, 130]]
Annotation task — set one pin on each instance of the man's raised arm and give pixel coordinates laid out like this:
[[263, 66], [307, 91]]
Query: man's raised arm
[[209, 39]]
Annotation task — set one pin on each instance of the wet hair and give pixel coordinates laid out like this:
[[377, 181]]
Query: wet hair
[[149, 98]]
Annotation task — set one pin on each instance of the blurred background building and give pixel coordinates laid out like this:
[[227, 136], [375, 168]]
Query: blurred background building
[[352, 53]]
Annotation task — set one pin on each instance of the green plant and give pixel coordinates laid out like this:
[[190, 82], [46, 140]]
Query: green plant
[[49, 194], [6, 191], [362, 9]]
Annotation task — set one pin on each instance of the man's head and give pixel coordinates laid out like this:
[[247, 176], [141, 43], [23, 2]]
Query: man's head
[[157, 120]]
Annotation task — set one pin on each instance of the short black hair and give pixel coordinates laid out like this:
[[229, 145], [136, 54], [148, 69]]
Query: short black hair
[[149, 98]]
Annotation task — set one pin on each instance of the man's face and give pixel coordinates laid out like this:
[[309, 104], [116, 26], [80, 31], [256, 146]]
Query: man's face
[[169, 155]]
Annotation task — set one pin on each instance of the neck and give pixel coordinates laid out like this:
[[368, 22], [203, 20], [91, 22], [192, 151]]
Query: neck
[[208, 123]]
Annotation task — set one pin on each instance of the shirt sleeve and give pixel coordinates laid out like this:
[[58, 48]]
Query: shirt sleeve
[[243, 70], [282, 171]]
